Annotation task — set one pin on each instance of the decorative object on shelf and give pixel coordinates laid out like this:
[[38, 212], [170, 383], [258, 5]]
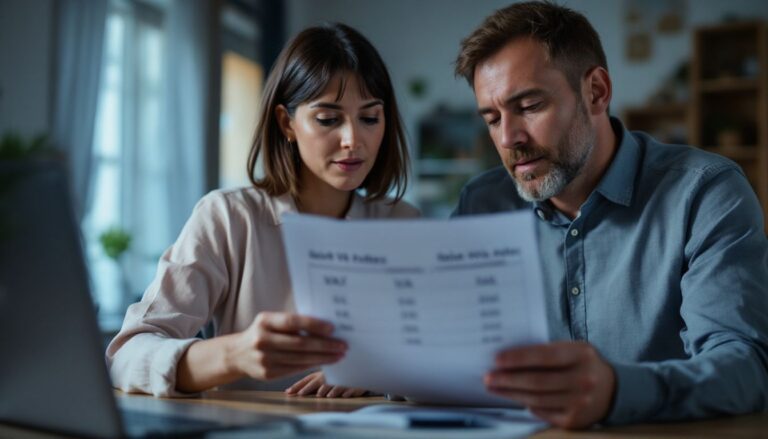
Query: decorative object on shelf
[[644, 17]]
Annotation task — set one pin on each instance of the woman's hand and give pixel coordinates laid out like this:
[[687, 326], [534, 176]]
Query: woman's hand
[[314, 384], [279, 344]]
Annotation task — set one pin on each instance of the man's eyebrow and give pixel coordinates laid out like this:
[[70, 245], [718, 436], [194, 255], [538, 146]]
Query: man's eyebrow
[[334, 106], [531, 92]]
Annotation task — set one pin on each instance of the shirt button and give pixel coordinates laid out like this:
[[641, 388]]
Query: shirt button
[[575, 291], [541, 214], [575, 232]]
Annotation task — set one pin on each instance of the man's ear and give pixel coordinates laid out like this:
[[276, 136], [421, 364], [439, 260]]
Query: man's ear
[[284, 121], [596, 90]]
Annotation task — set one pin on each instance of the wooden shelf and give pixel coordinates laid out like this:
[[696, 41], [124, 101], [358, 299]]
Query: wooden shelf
[[723, 85]]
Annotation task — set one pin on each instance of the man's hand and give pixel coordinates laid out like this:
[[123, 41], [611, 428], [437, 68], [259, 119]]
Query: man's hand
[[278, 344], [314, 384], [567, 384]]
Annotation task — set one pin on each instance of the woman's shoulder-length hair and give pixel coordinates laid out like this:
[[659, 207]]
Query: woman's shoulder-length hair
[[301, 73]]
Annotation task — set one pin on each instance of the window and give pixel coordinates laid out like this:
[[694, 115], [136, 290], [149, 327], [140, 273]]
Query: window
[[242, 79], [128, 161]]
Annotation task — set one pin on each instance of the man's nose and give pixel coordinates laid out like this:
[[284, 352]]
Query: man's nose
[[513, 133]]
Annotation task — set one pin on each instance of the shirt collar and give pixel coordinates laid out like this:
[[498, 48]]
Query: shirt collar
[[285, 204], [618, 183]]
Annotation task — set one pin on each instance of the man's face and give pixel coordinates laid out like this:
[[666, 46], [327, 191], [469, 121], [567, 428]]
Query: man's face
[[539, 125]]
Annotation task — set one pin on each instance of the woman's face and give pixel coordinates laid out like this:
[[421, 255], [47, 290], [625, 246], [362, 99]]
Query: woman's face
[[338, 139]]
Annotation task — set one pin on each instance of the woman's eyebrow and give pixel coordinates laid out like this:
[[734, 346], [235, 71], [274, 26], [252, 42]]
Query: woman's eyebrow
[[335, 106], [373, 103]]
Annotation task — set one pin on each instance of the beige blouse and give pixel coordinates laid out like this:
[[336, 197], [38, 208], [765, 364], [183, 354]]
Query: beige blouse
[[227, 265]]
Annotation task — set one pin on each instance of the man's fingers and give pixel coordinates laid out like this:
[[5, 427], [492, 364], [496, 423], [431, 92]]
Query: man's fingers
[[293, 323], [336, 391], [296, 343], [551, 355], [539, 400], [537, 380]]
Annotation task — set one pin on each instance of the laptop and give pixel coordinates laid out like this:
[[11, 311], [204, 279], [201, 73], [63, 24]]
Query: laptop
[[53, 374]]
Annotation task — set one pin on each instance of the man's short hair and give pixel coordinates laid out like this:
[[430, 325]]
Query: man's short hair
[[572, 44]]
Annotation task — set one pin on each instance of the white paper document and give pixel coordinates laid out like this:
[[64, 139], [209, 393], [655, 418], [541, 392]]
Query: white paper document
[[424, 305]]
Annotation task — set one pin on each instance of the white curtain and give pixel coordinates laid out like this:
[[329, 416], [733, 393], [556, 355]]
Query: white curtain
[[79, 39], [187, 81]]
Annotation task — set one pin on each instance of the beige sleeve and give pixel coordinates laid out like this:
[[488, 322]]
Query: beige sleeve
[[191, 279]]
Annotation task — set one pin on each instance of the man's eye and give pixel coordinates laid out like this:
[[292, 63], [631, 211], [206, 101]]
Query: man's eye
[[370, 120], [529, 108], [327, 121], [492, 122]]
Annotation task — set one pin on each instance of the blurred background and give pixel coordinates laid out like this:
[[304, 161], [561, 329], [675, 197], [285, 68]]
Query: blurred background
[[153, 103]]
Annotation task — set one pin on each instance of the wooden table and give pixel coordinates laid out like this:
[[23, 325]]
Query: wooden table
[[752, 426]]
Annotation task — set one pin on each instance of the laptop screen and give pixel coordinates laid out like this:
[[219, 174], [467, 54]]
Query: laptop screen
[[52, 373]]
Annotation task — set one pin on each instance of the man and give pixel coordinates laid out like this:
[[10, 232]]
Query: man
[[654, 256]]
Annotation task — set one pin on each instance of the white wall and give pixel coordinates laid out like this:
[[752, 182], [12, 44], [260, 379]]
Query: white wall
[[25, 63], [421, 38]]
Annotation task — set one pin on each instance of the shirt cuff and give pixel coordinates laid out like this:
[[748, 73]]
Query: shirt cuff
[[639, 394], [162, 374]]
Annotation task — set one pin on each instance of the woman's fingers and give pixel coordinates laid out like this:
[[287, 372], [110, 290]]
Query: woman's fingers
[[283, 358], [273, 341], [323, 391], [308, 381], [290, 323]]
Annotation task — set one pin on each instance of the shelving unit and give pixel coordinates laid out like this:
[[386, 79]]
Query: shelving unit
[[666, 123], [453, 147], [729, 98]]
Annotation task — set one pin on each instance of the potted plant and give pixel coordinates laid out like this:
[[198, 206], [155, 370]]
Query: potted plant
[[115, 242]]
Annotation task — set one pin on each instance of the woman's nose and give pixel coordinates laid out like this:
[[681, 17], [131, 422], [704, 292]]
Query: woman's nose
[[349, 136]]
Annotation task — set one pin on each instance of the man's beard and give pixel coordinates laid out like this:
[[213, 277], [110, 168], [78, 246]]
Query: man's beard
[[572, 154]]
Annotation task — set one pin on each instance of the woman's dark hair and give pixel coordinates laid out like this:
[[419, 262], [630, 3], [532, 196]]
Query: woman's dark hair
[[301, 73]]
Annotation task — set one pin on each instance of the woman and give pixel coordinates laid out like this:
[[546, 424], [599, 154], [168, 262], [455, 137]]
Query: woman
[[329, 126]]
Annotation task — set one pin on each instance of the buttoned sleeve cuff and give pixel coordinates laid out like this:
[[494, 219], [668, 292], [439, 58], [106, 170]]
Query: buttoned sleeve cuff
[[148, 364], [639, 394]]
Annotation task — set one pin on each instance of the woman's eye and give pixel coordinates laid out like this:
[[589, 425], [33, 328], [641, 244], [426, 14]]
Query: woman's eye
[[370, 120], [327, 121]]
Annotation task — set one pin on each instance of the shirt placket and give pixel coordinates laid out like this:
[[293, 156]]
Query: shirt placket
[[575, 290]]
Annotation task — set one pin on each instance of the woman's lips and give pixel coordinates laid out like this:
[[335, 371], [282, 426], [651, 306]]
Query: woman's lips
[[348, 165]]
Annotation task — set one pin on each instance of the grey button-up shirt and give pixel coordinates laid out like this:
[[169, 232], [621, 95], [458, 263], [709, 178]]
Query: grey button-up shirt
[[664, 271]]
